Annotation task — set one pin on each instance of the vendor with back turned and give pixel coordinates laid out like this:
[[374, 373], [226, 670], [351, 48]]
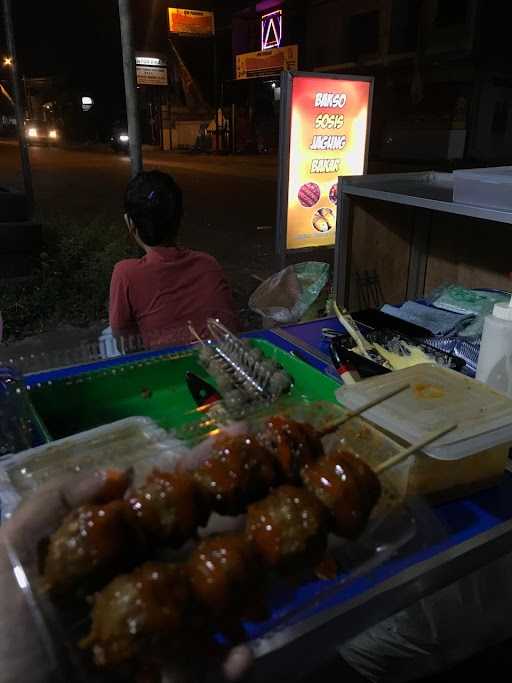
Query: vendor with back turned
[[156, 296]]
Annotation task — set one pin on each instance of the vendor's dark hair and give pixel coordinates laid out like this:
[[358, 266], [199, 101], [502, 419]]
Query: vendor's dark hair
[[153, 201]]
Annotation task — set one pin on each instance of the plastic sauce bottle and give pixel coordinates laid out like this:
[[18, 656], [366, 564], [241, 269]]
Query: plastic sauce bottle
[[495, 359]]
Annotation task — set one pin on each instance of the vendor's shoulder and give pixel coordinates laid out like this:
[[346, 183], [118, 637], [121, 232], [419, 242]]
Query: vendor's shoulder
[[126, 266], [205, 259]]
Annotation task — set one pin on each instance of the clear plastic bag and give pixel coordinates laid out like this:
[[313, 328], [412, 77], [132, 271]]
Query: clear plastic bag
[[286, 296]]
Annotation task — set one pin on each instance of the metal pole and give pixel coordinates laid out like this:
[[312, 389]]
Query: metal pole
[[18, 106], [130, 85], [28, 102], [233, 128], [216, 93]]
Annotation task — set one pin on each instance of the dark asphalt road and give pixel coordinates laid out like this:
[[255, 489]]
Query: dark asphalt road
[[226, 199]]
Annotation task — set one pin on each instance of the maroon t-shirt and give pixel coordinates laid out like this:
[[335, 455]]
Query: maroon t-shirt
[[157, 295]]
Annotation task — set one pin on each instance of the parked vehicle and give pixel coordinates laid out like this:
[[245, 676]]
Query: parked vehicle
[[120, 140], [41, 133]]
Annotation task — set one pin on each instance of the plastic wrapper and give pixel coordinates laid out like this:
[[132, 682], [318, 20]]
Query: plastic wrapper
[[465, 349], [435, 320], [477, 303], [466, 301], [288, 606], [438, 631]]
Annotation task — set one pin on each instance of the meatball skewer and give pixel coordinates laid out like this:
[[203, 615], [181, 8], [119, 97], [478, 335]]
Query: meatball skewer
[[170, 506]]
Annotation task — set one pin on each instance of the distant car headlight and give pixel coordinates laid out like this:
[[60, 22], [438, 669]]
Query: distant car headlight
[[32, 132], [53, 134], [124, 138]]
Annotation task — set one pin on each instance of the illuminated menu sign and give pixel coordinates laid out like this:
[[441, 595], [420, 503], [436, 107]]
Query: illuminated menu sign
[[324, 134]]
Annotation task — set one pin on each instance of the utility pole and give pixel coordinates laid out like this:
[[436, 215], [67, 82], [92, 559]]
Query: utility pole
[[216, 92], [18, 107], [130, 85]]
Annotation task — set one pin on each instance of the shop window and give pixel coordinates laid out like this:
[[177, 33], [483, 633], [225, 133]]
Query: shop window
[[405, 17], [363, 34], [451, 13]]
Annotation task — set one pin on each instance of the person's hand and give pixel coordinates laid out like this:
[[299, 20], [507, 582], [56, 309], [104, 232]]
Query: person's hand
[[25, 650], [238, 662]]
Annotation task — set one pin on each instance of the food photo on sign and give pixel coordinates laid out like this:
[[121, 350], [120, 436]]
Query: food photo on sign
[[326, 123]]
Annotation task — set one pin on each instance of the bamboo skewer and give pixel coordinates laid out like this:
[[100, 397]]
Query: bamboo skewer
[[219, 331], [333, 426], [404, 454], [195, 334]]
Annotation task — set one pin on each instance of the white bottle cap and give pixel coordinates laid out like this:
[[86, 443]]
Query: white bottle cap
[[503, 311]]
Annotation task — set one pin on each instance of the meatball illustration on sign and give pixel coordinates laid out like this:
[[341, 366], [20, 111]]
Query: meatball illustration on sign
[[333, 193], [324, 220], [309, 194]]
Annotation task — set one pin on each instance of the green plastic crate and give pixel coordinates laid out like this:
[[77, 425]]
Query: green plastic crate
[[154, 388]]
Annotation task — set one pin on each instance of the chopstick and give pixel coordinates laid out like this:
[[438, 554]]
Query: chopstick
[[404, 454], [354, 413]]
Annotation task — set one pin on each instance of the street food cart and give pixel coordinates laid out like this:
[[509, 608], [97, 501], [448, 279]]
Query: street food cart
[[439, 517], [420, 549]]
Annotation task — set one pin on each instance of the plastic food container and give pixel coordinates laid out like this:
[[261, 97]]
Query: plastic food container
[[490, 187], [472, 456], [121, 444], [293, 609]]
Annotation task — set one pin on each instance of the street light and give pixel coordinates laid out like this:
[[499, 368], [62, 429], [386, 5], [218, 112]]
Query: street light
[[7, 61]]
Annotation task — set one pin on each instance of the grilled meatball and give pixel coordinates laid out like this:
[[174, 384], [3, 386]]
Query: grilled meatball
[[169, 507], [238, 472], [366, 477], [286, 525], [91, 538], [347, 487], [219, 570], [294, 445], [134, 607]]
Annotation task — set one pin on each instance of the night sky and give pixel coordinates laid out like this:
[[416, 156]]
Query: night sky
[[79, 40]]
